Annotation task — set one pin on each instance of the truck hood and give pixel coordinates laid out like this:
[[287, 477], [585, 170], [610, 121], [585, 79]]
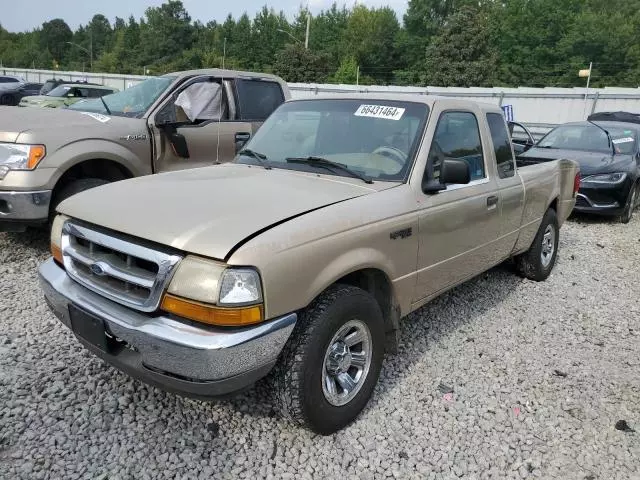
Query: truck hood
[[210, 211], [17, 120], [591, 163]]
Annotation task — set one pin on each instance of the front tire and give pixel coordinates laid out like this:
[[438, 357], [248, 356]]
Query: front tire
[[71, 189], [329, 368], [632, 203], [537, 262]]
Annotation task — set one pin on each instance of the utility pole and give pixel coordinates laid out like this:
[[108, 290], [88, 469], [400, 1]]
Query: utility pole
[[90, 50], [224, 51], [358, 75], [306, 37]]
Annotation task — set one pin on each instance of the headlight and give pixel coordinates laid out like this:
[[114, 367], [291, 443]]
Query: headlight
[[17, 156], [210, 292], [56, 237], [605, 178]]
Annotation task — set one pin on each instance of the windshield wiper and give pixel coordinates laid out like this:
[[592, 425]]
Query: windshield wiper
[[105, 105], [260, 157], [329, 165], [609, 140], [544, 146]]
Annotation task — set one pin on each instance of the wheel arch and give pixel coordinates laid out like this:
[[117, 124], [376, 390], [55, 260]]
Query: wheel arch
[[101, 168]]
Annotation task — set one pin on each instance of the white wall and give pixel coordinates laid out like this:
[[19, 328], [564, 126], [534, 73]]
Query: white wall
[[539, 107]]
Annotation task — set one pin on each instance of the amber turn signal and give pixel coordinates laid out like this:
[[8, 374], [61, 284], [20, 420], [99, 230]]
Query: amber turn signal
[[36, 153], [57, 253], [223, 317]]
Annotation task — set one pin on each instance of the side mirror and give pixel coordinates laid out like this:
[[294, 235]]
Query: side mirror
[[241, 139], [179, 144], [176, 140], [451, 171]]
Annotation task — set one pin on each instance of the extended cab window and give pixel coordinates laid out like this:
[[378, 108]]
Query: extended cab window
[[501, 145], [457, 136], [258, 99]]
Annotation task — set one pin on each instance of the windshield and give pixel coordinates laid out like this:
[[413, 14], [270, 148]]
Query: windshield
[[60, 91], [590, 138], [131, 102], [375, 138]]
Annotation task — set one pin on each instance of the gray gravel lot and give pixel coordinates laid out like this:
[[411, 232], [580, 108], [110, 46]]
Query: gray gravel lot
[[501, 378]]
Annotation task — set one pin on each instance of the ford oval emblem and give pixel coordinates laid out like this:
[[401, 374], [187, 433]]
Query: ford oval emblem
[[97, 269]]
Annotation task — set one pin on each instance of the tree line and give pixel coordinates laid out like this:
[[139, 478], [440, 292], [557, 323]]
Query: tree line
[[438, 43]]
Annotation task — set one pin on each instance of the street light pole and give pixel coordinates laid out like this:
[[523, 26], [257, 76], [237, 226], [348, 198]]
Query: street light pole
[[289, 33], [89, 52]]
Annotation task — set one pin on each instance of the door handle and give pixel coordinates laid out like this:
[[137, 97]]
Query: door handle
[[492, 201]]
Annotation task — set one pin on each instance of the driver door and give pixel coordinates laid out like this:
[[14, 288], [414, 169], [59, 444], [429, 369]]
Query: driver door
[[197, 126]]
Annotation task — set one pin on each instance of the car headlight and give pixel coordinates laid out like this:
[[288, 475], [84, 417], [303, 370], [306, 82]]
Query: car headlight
[[605, 178], [210, 292], [16, 156]]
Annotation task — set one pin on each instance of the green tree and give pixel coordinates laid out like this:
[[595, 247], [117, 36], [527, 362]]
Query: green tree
[[294, 63], [54, 37], [166, 33], [461, 55], [347, 72], [370, 37]]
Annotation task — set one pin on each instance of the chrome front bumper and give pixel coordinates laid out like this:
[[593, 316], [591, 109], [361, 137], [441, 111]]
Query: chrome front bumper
[[169, 353], [24, 207]]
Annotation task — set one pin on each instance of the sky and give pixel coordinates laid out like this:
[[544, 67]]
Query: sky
[[76, 12]]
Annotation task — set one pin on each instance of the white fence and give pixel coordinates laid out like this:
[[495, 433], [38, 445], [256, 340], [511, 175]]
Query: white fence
[[540, 108]]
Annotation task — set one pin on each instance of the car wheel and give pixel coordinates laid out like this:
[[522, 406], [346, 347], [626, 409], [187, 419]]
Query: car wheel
[[630, 206], [329, 368], [71, 189], [6, 100], [537, 262]]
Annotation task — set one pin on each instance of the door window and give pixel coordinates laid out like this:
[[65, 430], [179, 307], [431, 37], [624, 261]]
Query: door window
[[501, 145], [457, 136], [201, 102], [258, 99]]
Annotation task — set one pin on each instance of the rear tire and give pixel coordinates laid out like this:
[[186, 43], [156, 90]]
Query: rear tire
[[632, 203], [537, 262], [315, 364]]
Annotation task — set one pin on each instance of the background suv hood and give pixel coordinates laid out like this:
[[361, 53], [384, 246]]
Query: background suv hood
[[40, 100], [208, 211]]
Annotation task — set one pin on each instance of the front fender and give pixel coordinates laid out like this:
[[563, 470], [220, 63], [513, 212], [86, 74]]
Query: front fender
[[82, 150], [294, 279]]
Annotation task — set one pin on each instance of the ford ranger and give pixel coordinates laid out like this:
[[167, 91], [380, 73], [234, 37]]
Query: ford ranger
[[176, 121], [297, 261]]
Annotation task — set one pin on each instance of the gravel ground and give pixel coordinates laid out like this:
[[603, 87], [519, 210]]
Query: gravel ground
[[501, 378]]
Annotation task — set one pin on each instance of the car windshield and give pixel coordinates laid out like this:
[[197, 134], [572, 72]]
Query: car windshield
[[131, 102], [590, 138], [376, 139], [60, 91]]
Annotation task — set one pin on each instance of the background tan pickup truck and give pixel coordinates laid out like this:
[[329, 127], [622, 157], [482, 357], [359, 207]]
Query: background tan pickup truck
[[340, 217], [176, 121]]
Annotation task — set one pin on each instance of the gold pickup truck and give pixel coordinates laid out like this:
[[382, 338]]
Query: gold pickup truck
[[176, 121], [297, 260]]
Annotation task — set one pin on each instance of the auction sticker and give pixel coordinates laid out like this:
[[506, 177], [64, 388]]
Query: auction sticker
[[623, 140], [97, 116], [380, 111]]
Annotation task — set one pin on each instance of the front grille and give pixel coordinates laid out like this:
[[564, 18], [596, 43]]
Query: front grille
[[123, 271]]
